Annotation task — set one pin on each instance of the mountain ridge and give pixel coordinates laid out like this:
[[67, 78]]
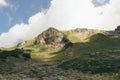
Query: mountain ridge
[[79, 34]]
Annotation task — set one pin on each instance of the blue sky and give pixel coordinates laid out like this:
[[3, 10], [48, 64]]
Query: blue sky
[[19, 12], [21, 20]]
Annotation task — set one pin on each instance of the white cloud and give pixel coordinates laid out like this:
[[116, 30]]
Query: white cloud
[[65, 14], [3, 3]]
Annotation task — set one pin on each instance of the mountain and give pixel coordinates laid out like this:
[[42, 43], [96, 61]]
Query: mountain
[[51, 38], [78, 54], [58, 39], [71, 42]]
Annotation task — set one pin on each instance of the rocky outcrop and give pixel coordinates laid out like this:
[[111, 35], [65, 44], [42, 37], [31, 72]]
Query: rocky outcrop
[[115, 33], [117, 30], [82, 33], [52, 38]]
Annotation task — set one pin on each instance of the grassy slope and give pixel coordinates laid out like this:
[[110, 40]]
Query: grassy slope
[[101, 55], [92, 44]]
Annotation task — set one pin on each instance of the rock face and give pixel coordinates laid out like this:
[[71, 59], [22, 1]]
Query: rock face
[[117, 30], [115, 33], [81, 33], [52, 38]]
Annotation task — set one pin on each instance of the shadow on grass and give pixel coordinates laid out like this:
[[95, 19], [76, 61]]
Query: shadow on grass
[[17, 53]]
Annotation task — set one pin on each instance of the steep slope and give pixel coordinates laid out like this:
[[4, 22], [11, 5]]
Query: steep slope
[[57, 39], [52, 38], [29, 43]]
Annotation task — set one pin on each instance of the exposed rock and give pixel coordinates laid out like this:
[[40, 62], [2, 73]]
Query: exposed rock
[[84, 33], [115, 33], [81, 33], [117, 30], [23, 43], [52, 38]]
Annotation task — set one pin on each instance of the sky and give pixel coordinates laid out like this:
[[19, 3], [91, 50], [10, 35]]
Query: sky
[[18, 11], [21, 20]]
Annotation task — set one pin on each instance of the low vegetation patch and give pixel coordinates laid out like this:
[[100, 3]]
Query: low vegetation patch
[[17, 53]]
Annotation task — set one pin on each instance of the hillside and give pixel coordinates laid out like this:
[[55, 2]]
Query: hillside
[[51, 38], [57, 39], [79, 54]]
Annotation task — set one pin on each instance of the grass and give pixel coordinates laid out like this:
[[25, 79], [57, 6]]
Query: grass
[[94, 63], [101, 55], [43, 53], [96, 43], [73, 38], [25, 44]]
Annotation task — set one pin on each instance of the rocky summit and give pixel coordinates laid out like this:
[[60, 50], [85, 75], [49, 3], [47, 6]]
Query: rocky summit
[[52, 38]]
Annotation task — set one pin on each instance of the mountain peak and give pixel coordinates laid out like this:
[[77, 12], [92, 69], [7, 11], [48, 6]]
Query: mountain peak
[[51, 28], [52, 38]]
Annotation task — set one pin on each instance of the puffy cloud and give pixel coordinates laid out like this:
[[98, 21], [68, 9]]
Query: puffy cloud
[[3, 3], [65, 14]]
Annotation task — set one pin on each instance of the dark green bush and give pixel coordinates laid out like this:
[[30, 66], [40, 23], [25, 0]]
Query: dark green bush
[[26, 56], [17, 53]]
